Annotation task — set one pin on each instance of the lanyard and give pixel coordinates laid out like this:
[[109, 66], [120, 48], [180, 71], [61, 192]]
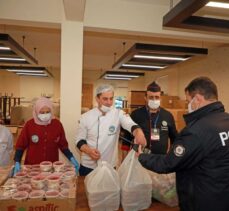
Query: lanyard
[[155, 122]]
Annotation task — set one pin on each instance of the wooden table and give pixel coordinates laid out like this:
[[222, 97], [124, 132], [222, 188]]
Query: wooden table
[[82, 205]]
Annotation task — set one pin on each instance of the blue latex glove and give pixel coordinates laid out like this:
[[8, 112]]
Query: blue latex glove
[[17, 168], [75, 163]]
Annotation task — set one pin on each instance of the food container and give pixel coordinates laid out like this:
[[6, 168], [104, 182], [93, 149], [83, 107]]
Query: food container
[[24, 181], [65, 186], [24, 187], [58, 166], [64, 193], [20, 174], [45, 174], [5, 194], [53, 181], [20, 195], [52, 194], [37, 194], [33, 173], [38, 182], [35, 167], [46, 166], [69, 177]]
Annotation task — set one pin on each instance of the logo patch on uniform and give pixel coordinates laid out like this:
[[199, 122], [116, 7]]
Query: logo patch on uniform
[[35, 138], [112, 128], [164, 123], [179, 150]]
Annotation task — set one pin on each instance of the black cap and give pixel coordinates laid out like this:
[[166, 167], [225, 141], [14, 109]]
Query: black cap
[[153, 87]]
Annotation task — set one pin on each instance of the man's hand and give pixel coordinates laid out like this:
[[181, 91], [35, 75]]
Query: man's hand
[[93, 153], [139, 150], [139, 137]]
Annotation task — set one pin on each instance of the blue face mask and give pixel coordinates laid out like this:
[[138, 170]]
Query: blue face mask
[[45, 117]]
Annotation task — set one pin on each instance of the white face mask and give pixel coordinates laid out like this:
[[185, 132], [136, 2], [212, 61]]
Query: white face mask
[[154, 104], [190, 110], [45, 117], [105, 109]]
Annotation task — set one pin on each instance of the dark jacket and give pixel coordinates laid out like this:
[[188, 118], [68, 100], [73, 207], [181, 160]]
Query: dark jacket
[[200, 158], [165, 123]]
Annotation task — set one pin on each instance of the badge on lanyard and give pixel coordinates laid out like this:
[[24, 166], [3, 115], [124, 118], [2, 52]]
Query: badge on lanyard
[[155, 134], [35, 139]]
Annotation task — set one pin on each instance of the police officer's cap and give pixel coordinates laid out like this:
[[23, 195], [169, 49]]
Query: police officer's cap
[[153, 87]]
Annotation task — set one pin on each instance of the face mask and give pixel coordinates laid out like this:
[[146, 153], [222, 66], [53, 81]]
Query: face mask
[[154, 104], [190, 110], [105, 109], [44, 117]]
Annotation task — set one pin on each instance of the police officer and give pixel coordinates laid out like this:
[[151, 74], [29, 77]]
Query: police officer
[[156, 122], [98, 131], [200, 154]]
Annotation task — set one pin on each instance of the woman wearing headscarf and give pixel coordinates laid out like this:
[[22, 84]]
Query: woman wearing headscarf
[[42, 137]]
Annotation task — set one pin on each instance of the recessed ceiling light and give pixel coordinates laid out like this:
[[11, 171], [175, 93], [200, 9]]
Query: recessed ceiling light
[[120, 75], [117, 78], [218, 4]]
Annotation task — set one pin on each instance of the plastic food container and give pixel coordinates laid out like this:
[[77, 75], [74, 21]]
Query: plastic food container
[[46, 166], [38, 182], [33, 173], [21, 174], [52, 194], [24, 187], [64, 193], [69, 177], [36, 194], [45, 174], [58, 166], [65, 186], [53, 181], [35, 167], [5, 194], [20, 195]]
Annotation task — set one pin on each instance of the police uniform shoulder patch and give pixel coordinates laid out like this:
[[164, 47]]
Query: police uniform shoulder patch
[[179, 150], [164, 123]]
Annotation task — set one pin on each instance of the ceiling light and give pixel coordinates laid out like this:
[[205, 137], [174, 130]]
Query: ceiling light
[[143, 66], [160, 57], [218, 4], [4, 48], [13, 52], [117, 78], [33, 74], [119, 75], [11, 59], [27, 70], [184, 15], [151, 57]]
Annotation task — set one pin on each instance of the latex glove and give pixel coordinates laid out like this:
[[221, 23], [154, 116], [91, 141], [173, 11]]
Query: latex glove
[[17, 168], [75, 163]]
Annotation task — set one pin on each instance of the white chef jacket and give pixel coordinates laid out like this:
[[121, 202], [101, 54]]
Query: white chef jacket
[[102, 132], [6, 145]]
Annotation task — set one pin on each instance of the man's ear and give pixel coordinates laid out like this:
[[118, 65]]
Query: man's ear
[[199, 97]]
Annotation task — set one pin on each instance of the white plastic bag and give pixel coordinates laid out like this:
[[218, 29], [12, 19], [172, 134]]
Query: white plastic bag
[[103, 188], [136, 184], [164, 188]]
